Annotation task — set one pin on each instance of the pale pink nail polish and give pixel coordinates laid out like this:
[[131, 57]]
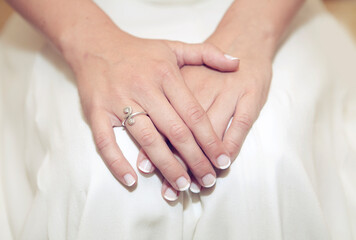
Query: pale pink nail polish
[[182, 183], [223, 161], [170, 194], [208, 180], [129, 180], [230, 57], [195, 188], [145, 166]]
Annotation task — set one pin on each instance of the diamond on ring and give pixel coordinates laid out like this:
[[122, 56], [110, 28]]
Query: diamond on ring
[[129, 116], [127, 110]]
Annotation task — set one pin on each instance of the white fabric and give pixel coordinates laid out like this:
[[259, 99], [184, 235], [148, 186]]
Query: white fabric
[[295, 177]]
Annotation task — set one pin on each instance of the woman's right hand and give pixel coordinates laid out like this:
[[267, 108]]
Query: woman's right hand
[[144, 74]]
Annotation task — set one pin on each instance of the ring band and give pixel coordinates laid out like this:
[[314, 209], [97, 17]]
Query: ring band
[[129, 116]]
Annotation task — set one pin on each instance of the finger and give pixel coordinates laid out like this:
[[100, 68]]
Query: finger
[[204, 53], [196, 119], [156, 149], [146, 166], [143, 163], [179, 159], [168, 192], [208, 180], [109, 150], [173, 127], [246, 113], [195, 186], [220, 113]]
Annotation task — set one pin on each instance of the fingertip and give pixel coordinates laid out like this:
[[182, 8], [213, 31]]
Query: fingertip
[[194, 187], [168, 192], [223, 161], [208, 180], [223, 62], [231, 58], [232, 63], [129, 180], [146, 166], [182, 183]]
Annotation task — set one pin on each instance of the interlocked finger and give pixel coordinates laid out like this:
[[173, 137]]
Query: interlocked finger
[[197, 120], [109, 150], [245, 115], [173, 127], [147, 136], [220, 114]]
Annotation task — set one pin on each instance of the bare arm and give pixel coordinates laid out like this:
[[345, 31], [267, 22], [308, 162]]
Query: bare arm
[[254, 25], [252, 30], [71, 25], [115, 70]]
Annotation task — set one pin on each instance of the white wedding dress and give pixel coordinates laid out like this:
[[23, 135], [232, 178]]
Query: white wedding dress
[[295, 177]]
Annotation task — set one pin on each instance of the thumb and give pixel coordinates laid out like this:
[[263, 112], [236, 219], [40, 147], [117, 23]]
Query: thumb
[[204, 53]]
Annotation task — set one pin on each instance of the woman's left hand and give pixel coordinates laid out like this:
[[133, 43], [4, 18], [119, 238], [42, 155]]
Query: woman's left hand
[[239, 95]]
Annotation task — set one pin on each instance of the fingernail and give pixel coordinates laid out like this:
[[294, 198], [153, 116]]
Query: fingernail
[[129, 179], [145, 166], [208, 180], [231, 57], [170, 194], [223, 161], [194, 188], [182, 183]]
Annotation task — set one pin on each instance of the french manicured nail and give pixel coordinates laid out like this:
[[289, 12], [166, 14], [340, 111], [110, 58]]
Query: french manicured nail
[[182, 183], [194, 188], [208, 180], [170, 195], [223, 161], [145, 166], [129, 179], [231, 57]]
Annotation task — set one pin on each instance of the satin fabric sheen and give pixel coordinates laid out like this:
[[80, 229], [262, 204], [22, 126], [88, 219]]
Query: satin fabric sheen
[[295, 177]]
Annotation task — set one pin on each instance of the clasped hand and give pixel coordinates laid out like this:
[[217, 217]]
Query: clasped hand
[[145, 74], [152, 76], [239, 95]]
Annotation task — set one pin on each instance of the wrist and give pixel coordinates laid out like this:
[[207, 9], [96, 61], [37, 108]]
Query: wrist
[[246, 44], [89, 33], [101, 43]]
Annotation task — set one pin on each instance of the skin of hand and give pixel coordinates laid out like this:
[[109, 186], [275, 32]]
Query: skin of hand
[[252, 30], [114, 70], [76, 27], [146, 76], [238, 95]]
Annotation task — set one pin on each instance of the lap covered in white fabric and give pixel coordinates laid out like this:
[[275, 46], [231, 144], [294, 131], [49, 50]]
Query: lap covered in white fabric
[[294, 178]]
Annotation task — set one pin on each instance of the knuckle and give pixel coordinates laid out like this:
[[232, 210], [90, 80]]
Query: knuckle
[[199, 165], [179, 133], [147, 137], [92, 111], [244, 122], [166, 168], [195, 113], [211, 144], [102, 142], [113, 163], [208, 47], [140, 85], [233, 146], [165, 70]]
